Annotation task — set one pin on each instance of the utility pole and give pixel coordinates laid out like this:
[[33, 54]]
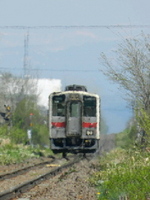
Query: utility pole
[[26, 58], [25, 63]]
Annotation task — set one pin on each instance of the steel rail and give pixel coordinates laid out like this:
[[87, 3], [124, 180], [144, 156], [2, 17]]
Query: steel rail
[[24, 187], [23, 170]]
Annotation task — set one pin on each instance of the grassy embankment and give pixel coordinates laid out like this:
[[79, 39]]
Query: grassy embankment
[[123, 172], [13, 150]]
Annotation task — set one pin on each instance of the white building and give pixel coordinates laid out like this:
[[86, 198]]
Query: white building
[[45, 87]]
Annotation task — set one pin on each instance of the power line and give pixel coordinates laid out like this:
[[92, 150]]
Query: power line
[[76, 27], [53, 70]]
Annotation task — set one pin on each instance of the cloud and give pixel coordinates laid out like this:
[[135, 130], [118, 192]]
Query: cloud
[[54, 40], [87, 34], [58, 48]]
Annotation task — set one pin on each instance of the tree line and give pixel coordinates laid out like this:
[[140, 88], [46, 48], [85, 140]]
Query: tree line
[[130, 69], [21, 96]]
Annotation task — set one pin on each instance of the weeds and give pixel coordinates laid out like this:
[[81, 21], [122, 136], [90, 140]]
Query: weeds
[[123, 173], [13, 148], [14, 154]]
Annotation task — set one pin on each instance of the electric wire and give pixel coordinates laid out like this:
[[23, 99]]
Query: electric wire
[[53, 70], [76, 27]]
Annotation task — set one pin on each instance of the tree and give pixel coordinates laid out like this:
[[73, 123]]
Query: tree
[[143, 119], [13, 89], [131, 69], [21, 95]]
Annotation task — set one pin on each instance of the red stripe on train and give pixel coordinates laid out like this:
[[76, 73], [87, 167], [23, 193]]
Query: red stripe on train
[[89, 125], [59, 124]]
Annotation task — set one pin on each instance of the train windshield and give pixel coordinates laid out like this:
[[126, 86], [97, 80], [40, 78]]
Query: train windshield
[[75, 109], [89, 106], [58, 108]]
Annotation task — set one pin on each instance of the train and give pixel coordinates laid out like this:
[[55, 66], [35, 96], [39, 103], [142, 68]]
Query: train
[[74, 121]]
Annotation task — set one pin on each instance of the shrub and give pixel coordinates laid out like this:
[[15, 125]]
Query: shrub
[[123, 173], [11, 153], [40, 135], [18, 136], [4, 131]]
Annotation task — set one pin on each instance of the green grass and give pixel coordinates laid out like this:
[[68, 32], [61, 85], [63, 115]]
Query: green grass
[[11, 153], [123, 174], [13, 148]]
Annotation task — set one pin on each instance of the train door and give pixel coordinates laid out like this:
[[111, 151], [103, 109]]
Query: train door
[[74, 118]]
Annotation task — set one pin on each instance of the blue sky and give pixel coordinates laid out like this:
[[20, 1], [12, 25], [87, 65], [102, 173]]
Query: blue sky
[[74, 12], [72, 54]]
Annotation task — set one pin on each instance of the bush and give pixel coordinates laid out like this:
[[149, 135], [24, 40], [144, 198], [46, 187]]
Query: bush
[[126, 139], [122, 140], [123, 174], [40, 135], [4, 131], [18, 136], [11, 153]]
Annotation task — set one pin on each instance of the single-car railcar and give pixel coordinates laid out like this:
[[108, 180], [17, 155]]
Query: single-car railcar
[[74, 120]]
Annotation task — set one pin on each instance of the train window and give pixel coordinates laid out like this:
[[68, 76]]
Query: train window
[[89, 106], [58, 105], [59, 98], [75, 109]]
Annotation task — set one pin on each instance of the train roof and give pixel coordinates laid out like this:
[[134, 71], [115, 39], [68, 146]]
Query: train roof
[[76, 88], [79, 92]]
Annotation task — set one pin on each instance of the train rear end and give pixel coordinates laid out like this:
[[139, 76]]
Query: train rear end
[[74, 119]]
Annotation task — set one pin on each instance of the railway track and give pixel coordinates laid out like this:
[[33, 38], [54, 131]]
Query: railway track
[[23, 170], [29, 177]]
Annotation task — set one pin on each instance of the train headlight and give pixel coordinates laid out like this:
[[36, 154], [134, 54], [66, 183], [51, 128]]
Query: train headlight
[[74, 97], [89, 132]]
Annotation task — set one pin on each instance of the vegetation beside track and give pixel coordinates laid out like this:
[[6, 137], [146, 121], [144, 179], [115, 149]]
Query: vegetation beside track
[[14, 150], [123, 174], [11, 153]]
